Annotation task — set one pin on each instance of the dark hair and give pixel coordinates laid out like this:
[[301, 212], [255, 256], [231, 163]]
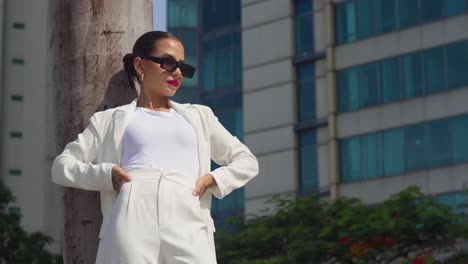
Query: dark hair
[[143, 46]]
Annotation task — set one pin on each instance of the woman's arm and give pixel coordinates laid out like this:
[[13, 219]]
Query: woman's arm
[[74, 168], [239, 165]]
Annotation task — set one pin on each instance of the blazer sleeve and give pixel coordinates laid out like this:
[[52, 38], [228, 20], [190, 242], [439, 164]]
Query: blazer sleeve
[[74, 167], [238, 164]]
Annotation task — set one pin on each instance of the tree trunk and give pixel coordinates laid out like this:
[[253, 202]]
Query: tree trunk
[[90, 38]]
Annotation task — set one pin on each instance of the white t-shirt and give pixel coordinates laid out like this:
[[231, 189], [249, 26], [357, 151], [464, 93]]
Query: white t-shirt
[[155, 139]]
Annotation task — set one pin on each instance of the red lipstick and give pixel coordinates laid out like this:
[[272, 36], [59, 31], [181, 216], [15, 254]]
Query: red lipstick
[[174, 83]]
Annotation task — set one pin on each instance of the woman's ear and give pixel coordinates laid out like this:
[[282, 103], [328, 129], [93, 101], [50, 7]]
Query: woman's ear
[[138, 64]]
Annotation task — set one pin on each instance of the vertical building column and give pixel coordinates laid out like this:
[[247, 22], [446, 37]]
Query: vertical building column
[[269, 98], [332, 106]]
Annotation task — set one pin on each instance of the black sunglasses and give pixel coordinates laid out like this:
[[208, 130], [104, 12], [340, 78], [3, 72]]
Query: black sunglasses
[[170, 64]]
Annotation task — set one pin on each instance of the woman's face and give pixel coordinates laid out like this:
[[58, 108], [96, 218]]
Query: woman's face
[[157, 80]]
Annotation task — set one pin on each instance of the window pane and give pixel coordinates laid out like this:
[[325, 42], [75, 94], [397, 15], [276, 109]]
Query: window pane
[[390, 80], [188, 13], [306, 92], [237, 67], [431, 10], [385, 16], [439, 143], [393, 152], [457, 62], [459, 130], [224, 69], [308, 160], [304, 35], [408, 13], [209, 72], [350, 159], [368, 85], [345, 22], [302, 6], [365, 18], [371, 156], [414, 147], [434, 70], [209, 15], [348, 92], [189, 38], [454, 7], [412, 75], [172, 14]]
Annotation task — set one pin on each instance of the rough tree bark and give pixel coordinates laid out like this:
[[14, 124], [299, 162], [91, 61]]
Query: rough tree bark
[[90, 39]]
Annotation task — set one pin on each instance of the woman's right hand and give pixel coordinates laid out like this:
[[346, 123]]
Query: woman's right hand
[[119, 177]]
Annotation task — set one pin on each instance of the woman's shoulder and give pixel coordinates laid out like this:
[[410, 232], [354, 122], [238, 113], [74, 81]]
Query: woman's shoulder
[[110, 111]]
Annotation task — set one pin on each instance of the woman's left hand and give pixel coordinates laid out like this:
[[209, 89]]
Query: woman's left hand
[[203, 183]]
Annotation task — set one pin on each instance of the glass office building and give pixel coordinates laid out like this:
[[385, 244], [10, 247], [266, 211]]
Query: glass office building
[[359, 98], [211, 33]]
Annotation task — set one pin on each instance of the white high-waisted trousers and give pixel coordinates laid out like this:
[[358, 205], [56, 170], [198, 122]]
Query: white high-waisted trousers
[[156, 219]]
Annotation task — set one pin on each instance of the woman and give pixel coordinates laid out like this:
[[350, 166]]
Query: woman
[[151, 159]]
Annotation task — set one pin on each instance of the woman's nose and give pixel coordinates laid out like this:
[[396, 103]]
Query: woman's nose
[[177, 72]]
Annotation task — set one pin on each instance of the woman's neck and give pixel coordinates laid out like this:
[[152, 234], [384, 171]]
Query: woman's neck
[[154, 102]]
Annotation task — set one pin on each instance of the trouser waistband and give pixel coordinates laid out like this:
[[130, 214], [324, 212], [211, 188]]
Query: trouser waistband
[[167, 174]]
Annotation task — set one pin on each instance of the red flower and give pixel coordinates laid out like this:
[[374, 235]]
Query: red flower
[[344, 240], [419, 260], [358, 249], [397, 214]]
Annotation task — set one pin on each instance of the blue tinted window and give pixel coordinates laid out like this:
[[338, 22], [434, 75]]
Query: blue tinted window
[[345, 22], [306, 92], [350, 159], [459, 129], [368, 87], [302, 6], [385, 19], [457, 62], [393, 152], [431, 10], [224, 68], [408, 13], [308, 160], [348, 90], [209, 15], [237, 66], [209, 71], [371, 155], [454, 7], [365, 18], [434, 70], [182, 13], [304, 34], [438, 143], [415, 147], [412, 79], [390, 80]]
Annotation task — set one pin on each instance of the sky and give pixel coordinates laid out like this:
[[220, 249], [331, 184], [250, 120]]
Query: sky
[[159, 14]]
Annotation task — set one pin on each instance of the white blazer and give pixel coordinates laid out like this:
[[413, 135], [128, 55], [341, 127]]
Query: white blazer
[[86, 163]]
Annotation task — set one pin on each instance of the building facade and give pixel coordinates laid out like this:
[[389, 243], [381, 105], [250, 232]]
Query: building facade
[[356, 98], [211, 33], [27, 124]]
